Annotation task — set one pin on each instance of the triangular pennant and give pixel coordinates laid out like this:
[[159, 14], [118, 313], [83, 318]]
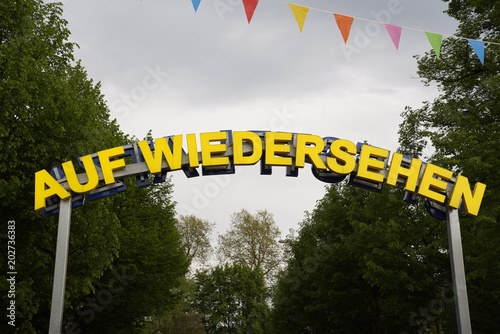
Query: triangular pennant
[[478, 47], [435, 40], [300, 13], [250, 6], [196, 4], [344, 23], [394, 33]]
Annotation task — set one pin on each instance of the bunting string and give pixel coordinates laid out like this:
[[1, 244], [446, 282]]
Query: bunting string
[[344, 23]]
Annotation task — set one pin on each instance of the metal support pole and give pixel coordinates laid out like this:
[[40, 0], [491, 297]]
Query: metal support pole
[[458, 272], [59, 286]]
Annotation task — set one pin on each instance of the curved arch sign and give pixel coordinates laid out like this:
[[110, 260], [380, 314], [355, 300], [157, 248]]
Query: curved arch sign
[[332, 160]]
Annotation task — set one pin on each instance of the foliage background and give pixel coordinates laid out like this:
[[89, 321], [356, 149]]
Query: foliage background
[[361, 262]]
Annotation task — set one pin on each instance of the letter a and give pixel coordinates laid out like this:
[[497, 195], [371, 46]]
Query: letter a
[[45, 187]]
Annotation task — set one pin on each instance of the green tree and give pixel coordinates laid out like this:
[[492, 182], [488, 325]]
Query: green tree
[[462, 126], [52, 112], [252, 240], [142, 280], [183, 318], [364, 262], [195, 233], [232, 299]]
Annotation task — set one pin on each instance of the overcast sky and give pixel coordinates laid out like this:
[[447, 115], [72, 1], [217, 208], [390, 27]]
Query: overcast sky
[[165, 68]]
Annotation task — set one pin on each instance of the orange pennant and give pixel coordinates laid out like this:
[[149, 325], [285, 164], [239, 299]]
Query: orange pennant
[[344, 23]]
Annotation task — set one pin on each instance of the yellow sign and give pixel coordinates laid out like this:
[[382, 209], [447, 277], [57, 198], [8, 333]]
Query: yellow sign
[[328, 156]]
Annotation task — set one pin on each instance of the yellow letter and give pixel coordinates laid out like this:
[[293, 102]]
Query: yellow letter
[[90, 170], [207, 149], [238, 138], [45, 187], [411, 173], [192, 150], [472, 200], [429, 181], [312, 152], [108, 165], [272, 147], [343, 151], [367, 164], [162, 149]]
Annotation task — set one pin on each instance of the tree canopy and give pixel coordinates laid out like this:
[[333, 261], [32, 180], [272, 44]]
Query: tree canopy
[[195, 233], [252, 241], [52, 112], [232, 299], [462, 128], [363, 262], [142, 279]]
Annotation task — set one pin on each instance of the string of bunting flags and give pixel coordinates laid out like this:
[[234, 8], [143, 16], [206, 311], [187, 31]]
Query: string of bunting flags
[[344, 23]]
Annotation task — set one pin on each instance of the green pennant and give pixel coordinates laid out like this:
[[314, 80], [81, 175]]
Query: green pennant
[[435, 40]]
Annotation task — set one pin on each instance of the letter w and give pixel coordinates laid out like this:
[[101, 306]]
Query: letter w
[[172, 153]]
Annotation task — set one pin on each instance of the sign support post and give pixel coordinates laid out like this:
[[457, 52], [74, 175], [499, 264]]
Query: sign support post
[[458, 272], [61, 263]]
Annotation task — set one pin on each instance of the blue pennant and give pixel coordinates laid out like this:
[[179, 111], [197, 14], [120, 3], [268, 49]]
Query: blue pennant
[[478, 47]]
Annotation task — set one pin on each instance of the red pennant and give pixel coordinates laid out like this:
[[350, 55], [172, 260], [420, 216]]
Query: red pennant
[[250, 6]]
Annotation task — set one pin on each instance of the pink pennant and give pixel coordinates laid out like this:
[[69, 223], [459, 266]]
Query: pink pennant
[[250, 6], [395, 33]]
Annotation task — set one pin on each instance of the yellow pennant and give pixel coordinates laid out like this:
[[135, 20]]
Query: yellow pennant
[[300, 13]]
